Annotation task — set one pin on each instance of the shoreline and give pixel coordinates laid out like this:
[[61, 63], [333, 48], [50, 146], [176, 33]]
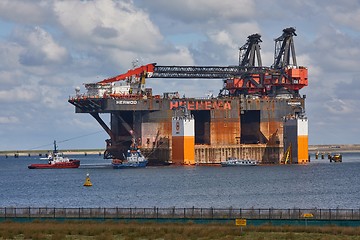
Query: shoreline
[[338, 148], [42, 153]]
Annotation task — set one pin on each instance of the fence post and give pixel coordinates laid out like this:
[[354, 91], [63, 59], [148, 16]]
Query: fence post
[[54, 212], [289, 213]]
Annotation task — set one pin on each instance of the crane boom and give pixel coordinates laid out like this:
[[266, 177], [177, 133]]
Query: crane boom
[[209, 72], [246, 78], [138, 72]]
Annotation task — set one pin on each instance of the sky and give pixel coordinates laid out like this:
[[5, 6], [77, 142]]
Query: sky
[[50, 47]]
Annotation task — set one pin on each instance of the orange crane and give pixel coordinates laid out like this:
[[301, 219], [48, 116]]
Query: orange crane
[[249, 77], [139, 72]]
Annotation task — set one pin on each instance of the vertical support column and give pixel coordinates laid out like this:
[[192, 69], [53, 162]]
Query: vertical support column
[[296, 139], [303, 140], [183, 140]]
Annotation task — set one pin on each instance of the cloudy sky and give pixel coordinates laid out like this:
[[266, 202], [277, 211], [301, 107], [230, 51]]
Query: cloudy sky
[[47, 48]]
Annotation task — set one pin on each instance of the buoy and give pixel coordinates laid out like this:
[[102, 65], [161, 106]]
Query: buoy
[[87, 181]]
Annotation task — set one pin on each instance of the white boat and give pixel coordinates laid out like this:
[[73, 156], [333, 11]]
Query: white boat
[[48, 158], [134, 159], [233, 162]]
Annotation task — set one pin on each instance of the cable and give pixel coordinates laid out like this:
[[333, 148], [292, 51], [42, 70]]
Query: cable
[[85, 135]]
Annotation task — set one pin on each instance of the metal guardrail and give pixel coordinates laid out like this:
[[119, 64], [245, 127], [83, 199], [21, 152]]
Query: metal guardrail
[[180, 213]]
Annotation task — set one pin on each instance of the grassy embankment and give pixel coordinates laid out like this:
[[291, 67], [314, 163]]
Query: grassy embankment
[[132, 231]]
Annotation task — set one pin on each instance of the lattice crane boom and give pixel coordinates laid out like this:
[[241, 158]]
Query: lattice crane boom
[[246, 78]]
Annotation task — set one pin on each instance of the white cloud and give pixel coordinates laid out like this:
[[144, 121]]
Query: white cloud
[[51, 98], [113, 24], [229, 38], [8, 119], [10, 77], [180, 56], [24, 11], [201, 10], [347, 13], [222, 38], [40, 48], [18, 94], [9, 52], [58, 45], [339, 107]]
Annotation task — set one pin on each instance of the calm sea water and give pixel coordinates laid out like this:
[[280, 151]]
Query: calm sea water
[[320, 184]]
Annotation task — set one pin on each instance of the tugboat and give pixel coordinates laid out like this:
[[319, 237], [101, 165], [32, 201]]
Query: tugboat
[[132, 159], [234, 162], [56, 160]]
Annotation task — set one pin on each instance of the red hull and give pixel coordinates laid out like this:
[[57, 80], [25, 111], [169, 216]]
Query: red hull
[[70, 164]]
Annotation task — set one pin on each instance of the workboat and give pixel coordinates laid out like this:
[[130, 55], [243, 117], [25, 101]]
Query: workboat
[[133, 159], [56, 160], [337, 157], [233, 162]]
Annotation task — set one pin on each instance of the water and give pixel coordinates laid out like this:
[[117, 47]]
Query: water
[[320, 184]]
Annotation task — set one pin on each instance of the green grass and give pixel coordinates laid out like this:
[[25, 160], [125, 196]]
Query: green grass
[[145, 231]]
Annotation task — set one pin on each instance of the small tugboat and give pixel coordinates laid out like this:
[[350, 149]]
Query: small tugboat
[[56, 160], [132, 159], [234, 162]]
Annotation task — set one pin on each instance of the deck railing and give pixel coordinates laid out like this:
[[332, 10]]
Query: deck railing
[[180, 213]]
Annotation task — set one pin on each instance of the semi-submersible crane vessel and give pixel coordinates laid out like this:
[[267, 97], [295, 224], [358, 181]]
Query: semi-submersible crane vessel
[[259, 113]]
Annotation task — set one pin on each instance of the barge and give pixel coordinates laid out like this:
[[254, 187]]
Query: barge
[[249, 118]]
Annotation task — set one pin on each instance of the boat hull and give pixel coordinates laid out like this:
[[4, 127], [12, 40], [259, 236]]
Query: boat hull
[[70, 164], [239, 163], [129, 165]]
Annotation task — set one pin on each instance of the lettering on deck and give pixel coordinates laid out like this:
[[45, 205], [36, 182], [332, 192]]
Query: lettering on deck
[[202, 104]]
